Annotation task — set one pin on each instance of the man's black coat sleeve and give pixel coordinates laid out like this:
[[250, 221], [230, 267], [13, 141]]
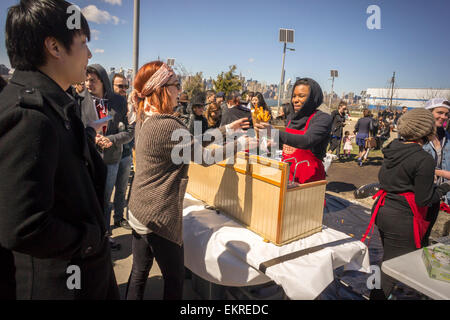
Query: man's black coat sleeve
[[28, 161]]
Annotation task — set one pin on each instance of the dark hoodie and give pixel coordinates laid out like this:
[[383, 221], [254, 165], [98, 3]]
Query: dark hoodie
[[118, 130], [408, 168], [317, 136]]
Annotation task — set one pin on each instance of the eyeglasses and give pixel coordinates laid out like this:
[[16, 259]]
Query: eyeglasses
[[177, 84], [122, 86]]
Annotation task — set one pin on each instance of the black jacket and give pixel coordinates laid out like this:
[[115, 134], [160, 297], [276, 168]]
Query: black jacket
[[118, 130], [199, 119], [232, 114], [51, 193], [337, 124], [409, 168], [318, 134], [364, 125]]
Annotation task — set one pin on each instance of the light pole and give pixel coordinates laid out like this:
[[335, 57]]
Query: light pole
[[286, 36], [136, 37], [334, 74], [170, 62]]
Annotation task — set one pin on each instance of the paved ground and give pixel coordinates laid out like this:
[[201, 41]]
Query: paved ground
[[122, 267]]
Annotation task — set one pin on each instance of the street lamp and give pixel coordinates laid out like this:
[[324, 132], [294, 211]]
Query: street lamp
[[136, 37], [286, 36], [170, 62], [334, 74]]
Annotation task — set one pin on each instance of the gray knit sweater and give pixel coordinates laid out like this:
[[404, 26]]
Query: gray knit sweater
[[159, 184]]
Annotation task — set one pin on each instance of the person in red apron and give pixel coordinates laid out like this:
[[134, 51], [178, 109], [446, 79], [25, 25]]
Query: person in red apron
[[407, 190], [307, 132]]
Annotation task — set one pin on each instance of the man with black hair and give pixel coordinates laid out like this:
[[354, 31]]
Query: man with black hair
[[234, 109], [115, 134], [120, 85], [52, 186]]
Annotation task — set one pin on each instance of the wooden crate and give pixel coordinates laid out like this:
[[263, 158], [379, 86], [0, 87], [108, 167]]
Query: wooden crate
[[254, 191]]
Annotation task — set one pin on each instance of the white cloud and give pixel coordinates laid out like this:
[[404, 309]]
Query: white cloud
[[95, 34], [99, 51], [93, 14], [113, 2], [251, 60]]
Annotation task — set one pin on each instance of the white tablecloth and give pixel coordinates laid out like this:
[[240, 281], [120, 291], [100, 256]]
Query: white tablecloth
[[221, 251]]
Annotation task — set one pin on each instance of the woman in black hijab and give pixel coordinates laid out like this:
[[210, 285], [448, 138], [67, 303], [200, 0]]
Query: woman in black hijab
[[307, 132]]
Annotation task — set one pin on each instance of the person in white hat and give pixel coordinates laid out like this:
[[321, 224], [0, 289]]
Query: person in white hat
[[439, 148]]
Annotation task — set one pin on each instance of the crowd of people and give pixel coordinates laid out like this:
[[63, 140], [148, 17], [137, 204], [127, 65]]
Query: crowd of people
[[70, 136], [369, 133]]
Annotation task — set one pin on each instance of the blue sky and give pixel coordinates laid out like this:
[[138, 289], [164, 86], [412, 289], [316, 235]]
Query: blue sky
[[209, 36]]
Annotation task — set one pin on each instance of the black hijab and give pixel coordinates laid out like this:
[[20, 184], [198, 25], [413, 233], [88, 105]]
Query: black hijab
[[298, 119]]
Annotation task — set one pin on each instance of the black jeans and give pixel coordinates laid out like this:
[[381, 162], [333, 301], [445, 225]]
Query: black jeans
[[170, 258], [335, 144], [397, 235]]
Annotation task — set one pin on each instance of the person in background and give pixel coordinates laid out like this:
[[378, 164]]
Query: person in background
[[120, 86], [183, 101], [249, 97], [258, 101], [210, 97], [197, 124], [220, 100], [384, 132], [285, 111], [234, 110], [213, 115], [348, 147], [79, 87], [52, 179], [439, 148], [156, 203], [337, 127], [117, 131], [362, 130], [407, 191]]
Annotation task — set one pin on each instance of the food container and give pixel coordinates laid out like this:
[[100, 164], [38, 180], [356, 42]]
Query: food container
[[255, 192]]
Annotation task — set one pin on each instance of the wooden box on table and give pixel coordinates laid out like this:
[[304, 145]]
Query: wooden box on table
[[255, 191]]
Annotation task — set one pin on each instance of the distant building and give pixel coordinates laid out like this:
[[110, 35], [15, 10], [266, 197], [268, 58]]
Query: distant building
[[379, 98]]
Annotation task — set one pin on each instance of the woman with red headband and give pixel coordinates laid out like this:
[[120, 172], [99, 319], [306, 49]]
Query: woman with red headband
[[159, 186]]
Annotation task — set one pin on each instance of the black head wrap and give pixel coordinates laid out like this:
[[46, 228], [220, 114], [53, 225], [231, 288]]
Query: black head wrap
[[298, 119]]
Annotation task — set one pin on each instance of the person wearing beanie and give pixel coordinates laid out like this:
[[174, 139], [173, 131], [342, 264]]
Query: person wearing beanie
[[407, 190]]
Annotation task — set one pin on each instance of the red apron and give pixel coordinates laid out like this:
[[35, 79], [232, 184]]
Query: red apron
[[314, 172], [420, 224]]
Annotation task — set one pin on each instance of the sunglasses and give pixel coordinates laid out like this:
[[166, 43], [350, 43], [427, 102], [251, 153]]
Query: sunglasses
[[178, 85], [122, 86]]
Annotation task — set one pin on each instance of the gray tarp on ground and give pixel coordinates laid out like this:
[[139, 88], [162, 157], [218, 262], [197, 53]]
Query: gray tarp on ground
[[351, 218]]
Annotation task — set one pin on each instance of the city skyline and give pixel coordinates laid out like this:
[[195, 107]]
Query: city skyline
[[209, 36]]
